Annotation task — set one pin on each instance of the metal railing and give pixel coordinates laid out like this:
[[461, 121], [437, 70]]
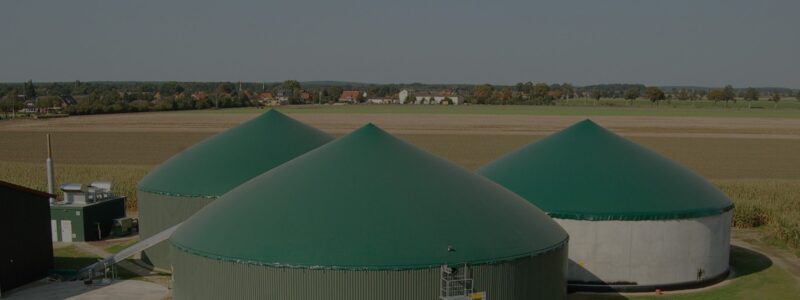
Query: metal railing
[[455, 283]]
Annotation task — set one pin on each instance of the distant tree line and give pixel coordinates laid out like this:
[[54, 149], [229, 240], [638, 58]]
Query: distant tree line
[[114, 97]]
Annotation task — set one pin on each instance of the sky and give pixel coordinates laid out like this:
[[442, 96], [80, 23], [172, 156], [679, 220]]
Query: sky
[[653, 42]]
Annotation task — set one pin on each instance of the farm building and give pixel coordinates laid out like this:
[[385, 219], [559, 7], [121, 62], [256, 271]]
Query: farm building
[[362, 218], [430, 97], [88, 213], [636, 219], [350, 96], [195, 177], [26, 253]]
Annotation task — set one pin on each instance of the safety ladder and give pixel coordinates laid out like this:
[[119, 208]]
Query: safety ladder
[[455, 283]]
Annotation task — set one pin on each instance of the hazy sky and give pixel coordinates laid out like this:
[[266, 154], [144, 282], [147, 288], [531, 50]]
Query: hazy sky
[[675, 42]]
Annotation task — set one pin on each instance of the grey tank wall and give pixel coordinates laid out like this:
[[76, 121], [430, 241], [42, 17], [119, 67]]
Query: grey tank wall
[[648, 253], [157, 213], [196, 277]]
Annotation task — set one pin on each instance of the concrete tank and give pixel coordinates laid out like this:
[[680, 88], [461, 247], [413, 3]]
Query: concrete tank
[[648, 253], [637, 220]]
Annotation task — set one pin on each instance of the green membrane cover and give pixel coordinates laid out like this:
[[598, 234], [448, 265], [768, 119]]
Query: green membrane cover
[[369, 201], [586, 172], [226, 160]]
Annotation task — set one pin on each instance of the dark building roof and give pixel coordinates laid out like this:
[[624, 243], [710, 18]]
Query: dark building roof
[[349, 95], [587, 172], [26, 253], [371, 201], [68, 100], [24, 189], [226, 160]]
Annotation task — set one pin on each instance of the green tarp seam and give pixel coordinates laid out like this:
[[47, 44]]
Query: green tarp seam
[[496, 260], [640, 216]]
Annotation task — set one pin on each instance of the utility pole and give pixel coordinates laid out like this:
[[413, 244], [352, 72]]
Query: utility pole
[[50, 175]]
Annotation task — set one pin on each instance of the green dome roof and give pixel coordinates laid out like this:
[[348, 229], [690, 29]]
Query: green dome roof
[[226, 160], [368, 201], [586, 172]]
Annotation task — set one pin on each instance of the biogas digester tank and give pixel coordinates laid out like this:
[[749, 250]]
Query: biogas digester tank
[[202, 173], [368, 216], [636, 219]]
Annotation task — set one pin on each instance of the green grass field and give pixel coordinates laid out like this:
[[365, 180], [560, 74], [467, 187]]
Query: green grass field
[[70, 259], [576, 107]]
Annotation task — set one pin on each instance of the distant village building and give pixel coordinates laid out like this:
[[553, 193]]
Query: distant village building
[[283, 96], [556, 94], [430, 97], [250, 95], [67, 100], [402, 96], [306, 96], [39, 104], [349, 96], [199, 95], [382, 100], [266, 96]]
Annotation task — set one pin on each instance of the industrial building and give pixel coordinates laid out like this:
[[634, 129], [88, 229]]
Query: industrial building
[[369, 216], [26, 253], [87, 213], [193, 178], [636, 219]]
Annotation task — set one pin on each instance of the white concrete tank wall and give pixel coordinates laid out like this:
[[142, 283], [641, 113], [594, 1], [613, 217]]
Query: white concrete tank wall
[[650, 252]]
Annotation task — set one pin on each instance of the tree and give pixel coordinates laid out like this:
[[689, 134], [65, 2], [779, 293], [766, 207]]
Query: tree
[[596, 94], [631, 94], [334, 93], [289, 85], [29, 90], [775, 98], [171, 88], [9, 102], [504, 95], [567, 90], [411, 99], [540, 91], [797, 96], [655, 94], [482, 93], [728, 94], [683, 94], [716, 95], [46, 102], [750, 95]]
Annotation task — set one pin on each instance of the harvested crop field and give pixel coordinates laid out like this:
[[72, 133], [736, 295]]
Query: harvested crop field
[[712, 157], [339, 123], [715, 147]]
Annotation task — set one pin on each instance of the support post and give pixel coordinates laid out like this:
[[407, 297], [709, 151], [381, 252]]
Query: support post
[[50, 175]]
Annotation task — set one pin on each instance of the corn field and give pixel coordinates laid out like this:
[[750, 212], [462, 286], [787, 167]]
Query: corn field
[[774, 204], [124, 178], [770, 203]]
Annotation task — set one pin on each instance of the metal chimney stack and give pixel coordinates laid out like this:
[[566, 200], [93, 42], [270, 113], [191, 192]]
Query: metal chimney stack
[[50, 175]]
